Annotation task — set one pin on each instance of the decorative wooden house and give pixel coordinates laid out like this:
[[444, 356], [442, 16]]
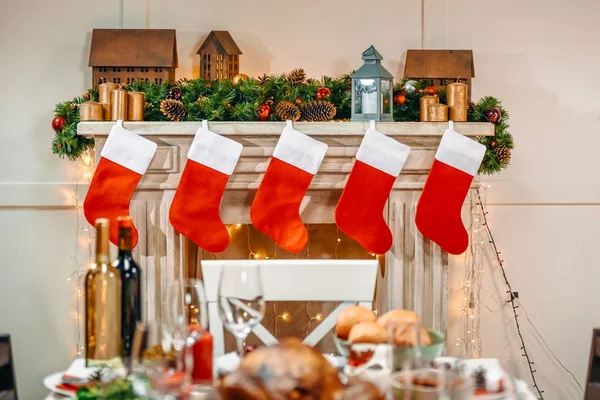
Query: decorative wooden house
[[441, 66], [128, 55], [219, 56]]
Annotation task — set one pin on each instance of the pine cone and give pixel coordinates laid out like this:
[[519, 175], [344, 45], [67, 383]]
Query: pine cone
[[173, 109], [296, 76], [286, 110], [318, 111], [503, 154], [264, 78]]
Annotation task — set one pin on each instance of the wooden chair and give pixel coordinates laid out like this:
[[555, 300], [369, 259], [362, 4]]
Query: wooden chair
[[8, 384], [592, 386], [350, 282]]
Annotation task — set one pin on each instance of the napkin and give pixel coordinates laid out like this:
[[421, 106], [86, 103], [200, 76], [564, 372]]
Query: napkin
[[78, 373]]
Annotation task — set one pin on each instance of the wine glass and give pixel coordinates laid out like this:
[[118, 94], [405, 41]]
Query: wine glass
[[155, 370], [241, 302], [186, 316], [186, 310]]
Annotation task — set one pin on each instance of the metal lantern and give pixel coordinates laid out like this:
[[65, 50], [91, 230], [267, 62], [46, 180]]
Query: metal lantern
[[372, 90]]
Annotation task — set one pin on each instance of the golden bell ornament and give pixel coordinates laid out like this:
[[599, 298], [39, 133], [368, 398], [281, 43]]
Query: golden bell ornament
[[239, 77]]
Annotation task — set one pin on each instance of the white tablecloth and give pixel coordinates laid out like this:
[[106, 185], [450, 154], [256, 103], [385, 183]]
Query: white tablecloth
[[523, 393]]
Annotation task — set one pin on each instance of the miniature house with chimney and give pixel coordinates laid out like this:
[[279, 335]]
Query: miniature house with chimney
[[128, 55], [219, 56], [441, 66]]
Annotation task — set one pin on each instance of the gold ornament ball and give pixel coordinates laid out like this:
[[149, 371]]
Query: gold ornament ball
[[239, 77]]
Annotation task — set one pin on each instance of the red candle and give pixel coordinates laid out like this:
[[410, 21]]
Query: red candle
[[203, 359]]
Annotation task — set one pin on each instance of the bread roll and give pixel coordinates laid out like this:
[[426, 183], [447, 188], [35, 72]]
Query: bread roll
[[367, 332], [408, 337], [398, 317], [350, 317]]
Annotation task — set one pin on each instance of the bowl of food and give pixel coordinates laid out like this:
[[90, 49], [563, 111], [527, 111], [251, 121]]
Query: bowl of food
[[398, 328], [426, 384]]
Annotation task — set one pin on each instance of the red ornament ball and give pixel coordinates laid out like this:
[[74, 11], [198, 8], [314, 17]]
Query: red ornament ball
[[399, 97], [322, 92], [298, 101], [430, 90], [264, 112], [493, 115], [86, 96], [58, 123]]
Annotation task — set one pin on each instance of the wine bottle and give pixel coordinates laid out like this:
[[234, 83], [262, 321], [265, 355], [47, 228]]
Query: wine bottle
[[131, 278], [102, 305]]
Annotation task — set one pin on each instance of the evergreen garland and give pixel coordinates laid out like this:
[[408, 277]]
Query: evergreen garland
[[221, 100]]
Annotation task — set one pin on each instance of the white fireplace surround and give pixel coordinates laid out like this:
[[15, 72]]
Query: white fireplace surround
[[415, 275]]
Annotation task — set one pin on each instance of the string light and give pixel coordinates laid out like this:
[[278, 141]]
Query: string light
[[500, 265], [83, 168], [472, 281]]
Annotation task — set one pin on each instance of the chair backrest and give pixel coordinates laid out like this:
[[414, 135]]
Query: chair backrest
[[8, 384], [350, 282], [592, 386]]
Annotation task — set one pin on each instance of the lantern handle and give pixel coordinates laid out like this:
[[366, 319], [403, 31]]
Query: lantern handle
[[288, 123], [372, 124], [205, 124]]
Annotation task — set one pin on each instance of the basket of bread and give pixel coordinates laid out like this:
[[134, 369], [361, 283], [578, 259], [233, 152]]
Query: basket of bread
[[400, 328]]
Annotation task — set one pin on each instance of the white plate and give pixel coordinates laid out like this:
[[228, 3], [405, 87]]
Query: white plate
[[52, 381], [229, 362]]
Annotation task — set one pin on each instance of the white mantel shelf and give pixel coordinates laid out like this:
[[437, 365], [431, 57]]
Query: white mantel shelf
[[415, 268], [423, 129], [259, 140]]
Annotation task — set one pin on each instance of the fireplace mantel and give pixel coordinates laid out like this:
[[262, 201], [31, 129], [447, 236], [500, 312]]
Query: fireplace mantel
[[415, 275]]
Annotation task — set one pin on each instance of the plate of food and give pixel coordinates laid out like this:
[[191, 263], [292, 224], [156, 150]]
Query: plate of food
[[75, 377], [289, 370], [425, 384], [490, 381], [229, 362]]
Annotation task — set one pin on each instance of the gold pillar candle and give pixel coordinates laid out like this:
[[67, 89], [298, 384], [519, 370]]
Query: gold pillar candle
[[135, 106], [437, 112], [91, 111], [457, 101], [425, 102], [118, 105], [104, 93]]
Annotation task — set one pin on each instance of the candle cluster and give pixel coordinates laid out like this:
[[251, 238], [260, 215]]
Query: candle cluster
[[115, 103], [456, 109]]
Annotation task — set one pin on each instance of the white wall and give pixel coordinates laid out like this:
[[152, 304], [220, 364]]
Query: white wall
[[538, 56]]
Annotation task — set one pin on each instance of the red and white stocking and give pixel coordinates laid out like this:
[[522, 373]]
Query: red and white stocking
[[359, 213], [438, 215], [275, 210], [125, 159], [195, 209]]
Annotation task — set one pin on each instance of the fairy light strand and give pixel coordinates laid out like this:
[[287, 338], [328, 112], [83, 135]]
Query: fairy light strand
[[83, 168], [471, 284], [492, 244]]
